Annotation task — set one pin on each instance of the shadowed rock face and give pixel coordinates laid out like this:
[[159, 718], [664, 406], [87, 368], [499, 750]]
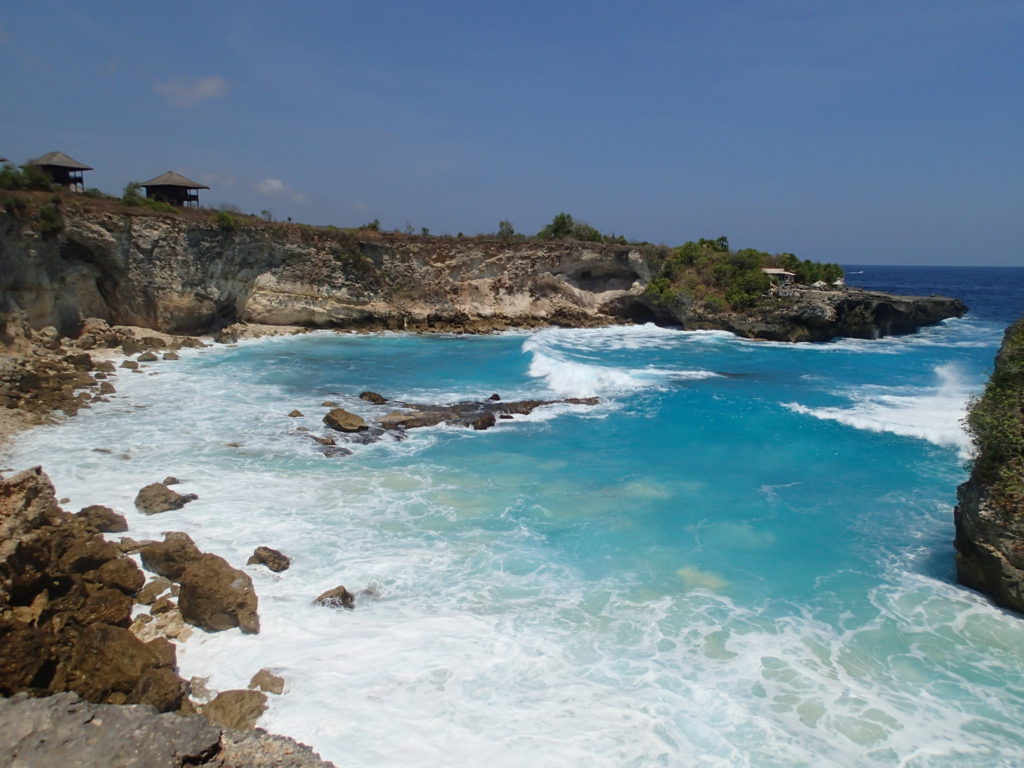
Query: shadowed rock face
[[65, 605]]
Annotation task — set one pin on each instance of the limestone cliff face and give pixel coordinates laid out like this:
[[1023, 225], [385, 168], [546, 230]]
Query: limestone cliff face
[[989, 515], [169, 274], [179, 273]]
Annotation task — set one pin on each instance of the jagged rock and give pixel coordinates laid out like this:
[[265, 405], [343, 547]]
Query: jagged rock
[[215, 596], [171, 356], [172, 556], [121, 574], [103, 519], [344, 421], [324, 440], [331, 451], [161, 605], [372, 397], [494, 397], [63, 730], [105, 366], [153, 589], [129, 546], [339, 597], [171, 480], [271, 558], [295, 414], [238, 710], [477, 415], [147, 357], [265, 680], [157, 497], [106, 388]]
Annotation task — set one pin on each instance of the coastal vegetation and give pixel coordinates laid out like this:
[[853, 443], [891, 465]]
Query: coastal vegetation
[[995, 422], [707, 273]]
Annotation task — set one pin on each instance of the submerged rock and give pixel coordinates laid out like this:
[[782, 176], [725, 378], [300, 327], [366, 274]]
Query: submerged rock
[[476, 415], [265, 680]]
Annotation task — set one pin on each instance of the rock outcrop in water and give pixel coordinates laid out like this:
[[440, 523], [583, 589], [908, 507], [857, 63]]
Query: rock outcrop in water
[[989, 515], [184, 273]]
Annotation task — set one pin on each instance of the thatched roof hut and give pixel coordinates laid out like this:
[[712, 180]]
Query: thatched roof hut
[[64, 170], [173, 188]]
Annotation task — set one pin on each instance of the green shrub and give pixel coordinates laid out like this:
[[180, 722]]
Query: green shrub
[[225, 221], [94, 192], [27, 177], [15, 206], [373, 226], [995, 422], [50, 221]]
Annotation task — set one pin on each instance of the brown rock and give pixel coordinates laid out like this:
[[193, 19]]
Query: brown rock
[[131, 365], [106, 366], [129, 546], [121, 574], [107, 664], [339, 597], [295, 414], [103, 519], [271, 558], [344, 421], [147, 357], [372, 397], [161, 605], [157, 497], [265, 680], [171, 480], [160, 688], [238, 710], [106, 388], [171, 356], [25, 650], [329, 404], [153, 589], [170, 557], [215, 596]]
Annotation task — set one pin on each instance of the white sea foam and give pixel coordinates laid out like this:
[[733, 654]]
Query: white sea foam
[[483, 647], [934, 414]]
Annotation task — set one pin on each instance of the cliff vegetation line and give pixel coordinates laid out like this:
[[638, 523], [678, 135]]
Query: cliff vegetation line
[[995, 422]]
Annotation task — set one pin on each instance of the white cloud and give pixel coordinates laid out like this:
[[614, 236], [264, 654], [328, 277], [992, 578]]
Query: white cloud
[[186, 95], [277, 188]]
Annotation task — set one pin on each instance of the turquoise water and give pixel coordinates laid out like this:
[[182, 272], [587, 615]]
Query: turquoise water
[[741, 557]]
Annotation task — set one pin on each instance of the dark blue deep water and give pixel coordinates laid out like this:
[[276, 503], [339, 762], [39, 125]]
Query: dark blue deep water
[[741, 557]]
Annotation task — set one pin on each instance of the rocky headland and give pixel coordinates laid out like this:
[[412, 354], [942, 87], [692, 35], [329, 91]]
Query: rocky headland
[[192, 273], [989, 515]]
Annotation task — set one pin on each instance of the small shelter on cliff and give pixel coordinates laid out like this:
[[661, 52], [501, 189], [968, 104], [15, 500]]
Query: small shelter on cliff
[[173, 188], [784, 277], [64, 170]]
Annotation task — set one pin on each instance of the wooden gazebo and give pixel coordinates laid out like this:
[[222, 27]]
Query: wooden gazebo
[[64, 170], [173, 188]]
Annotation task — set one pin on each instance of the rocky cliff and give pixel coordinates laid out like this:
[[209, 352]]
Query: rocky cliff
[[989, 515], [175, 272]]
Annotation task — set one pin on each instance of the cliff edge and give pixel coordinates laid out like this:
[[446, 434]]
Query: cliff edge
[[989, 515], [193, 272]]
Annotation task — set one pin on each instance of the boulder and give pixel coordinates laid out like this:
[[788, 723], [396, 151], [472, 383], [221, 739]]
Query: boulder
[[130, 365], [372, 397], [103, 519], [63, 730], [147, 357], [339, 597], [157, 497], [171, 557], [265, 680], [171, 480], [214, 596], [271, 558], [121, 574], [295, 414], [171, 356], [238, 710], [106, 388], [344, 421]]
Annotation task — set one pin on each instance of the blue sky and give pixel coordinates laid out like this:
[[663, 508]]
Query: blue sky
[[858, 132]]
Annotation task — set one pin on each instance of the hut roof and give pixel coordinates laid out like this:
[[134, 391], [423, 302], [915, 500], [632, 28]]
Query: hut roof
[[60, 160], [172, 179]]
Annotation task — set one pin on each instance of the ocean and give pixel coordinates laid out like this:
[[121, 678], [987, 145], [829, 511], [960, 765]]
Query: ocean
[[742, 556]]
